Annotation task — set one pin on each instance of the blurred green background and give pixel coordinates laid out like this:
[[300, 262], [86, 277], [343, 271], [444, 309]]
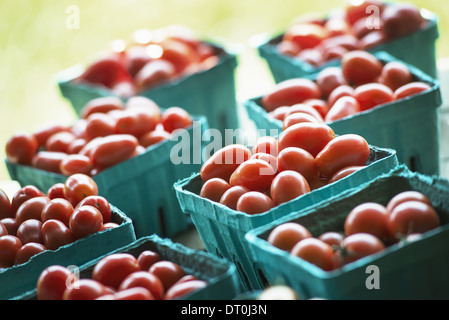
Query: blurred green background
[[35, 44]]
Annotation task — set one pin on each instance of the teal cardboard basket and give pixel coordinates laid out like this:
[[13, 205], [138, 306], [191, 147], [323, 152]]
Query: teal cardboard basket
[[418, 49], [220, 274], [406, 270], [210, 93], [141, 186], [222, 230], [411, 125], [22, 278]]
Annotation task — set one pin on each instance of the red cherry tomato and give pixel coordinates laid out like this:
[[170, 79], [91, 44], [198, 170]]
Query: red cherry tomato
[[254, 174], [10, 225], [316, 252], [319, 105], [146, 280], [175, 118], [147, 258], [279, 113], [53, 281], [153, 137], [343, 151], [6, 210], [232, 195], [224, 162], [56, 234], [288, 185], [105, 71], [330, 78], [137, 121], [30, 231], [180, 54], [290, 92], [9, 246], [287, 235], [344, 173], [49, 161], [23, 194], [84, 289], [58, 208], [213, 189], [99, 125], [412, 217], [298, 117], [342, 108], [270, 159], [410, 89], [154, 73], [113, 149], [311, 137], [56, 191], [43, 133], [79, 186], [168, 272], [112, 269], [181, 290], [21, 148], [60, 142], [306, 35], [401, 19], [101, 105], [304, 108], [31, 209], [254, 202], [360, 67], [75, 163], [85, 220], [266, 144], [369, 217], [27, 251], [332, 238], [337, 93], [3, 230], [100, 203], [357, 246], [395, 74], [409, 195], [373, 94]]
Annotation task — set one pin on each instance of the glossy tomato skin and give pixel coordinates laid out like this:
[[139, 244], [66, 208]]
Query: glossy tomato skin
[[85, 220], [99, 125], [305, 108], [11, 225], [357, 246], [101, 105], [56, 234], [23, 194], [180, 290], [401, 19], [232, 195], [133, 294], [147, 258], [253, 174], [153, 137], [342, 108], [410, 195], [299, 160], [342, 173], [337, 93], [49, 160], [113, 149], [53, 281], [332, 238], [79, 186], [411, 89], [27, 251], [75, 163], [101, 204], [254, 202], [223, 163], [288, 185], [43, 133], [21, 148], [112, 269], [369, 217], [3, 230], [30, 231], [306, 35], [395, 74], [213, 189], [316, 252], [175, 118], [330, 78], [360, 67], [58, 208], [9, 246], [168, 272], [31, 209], [56, 191], [298, 117], [84, 289], [287, 235], [266, 144], [154, 73], [60, 142], [146, 280], [373, 94], [343, 151], [6, 210]]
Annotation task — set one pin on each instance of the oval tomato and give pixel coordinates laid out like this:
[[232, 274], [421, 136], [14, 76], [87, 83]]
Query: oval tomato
[[337, 93], [112, 269], [254, 174], [137, 121], [31, 209], [100, 203], [6, 210], [288, 185], [316, 252], [101, 105], [232, 195], [266, 144], [332, 238], [84, 289], [409, 195], [56, 234], [306, 35], [132, 294], [342, 108], [30, 231], [401, 19], [330, 78], [85, 220], [395, 74], [357, 246], [254, 202], [146, 280], [298, 117], [154, 73], [27, 251], [113, 149], [181, 290], [60, 142], [99, 125], [369, 217], [319, 105], [153, 137], [360, 67], [43, 133], [49, 161], [304, 108], [287, 235], [213, 189], [53, 281], [21, 148], [340, 174], [175, 118], [147, 258], [10, 225], [168, 272], [411, 89], [3, 230], [9, 246], [373, 94], [56, 191], [75, 163], [79, 186]]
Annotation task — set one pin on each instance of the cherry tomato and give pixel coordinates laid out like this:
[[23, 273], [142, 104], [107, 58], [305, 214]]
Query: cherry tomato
[[27, 251], [150, 138], [279, 113], [9, 246], [6, 210], [56, 191], [112, 269], [254, 202], [147, 258], [304, 108], [299, 160], [316, 252], [133, 294], [319, 105], [146, 280], [214, 188], [178, 53], [21, 148], [60, 142], [409, 195], [298, 117], [10, 225], [412, 217], [343, 151], [288, 185], [311, 137], [181, 290], [43, 133], [113, 149], [254, 174], [30, 231], [99, 125], [410, 89], [79, 186], [53, 281], [49, 161], [360, 67], [84, 289], [56, 234], [232, 195], [266, 144], [31, 209], [342, 108], [23, 194], [373, 94], [154, 73], [306, 35], [168, 272], [395, 74], [85, 220], [58, 208], [175, 118], [369, 217], [101, 105], [136, 121], [100, 203], [330, 78], [3, 230], [224, 162], [286, 235], [344, 173], [75, 163], [401, 19], [290, 92], [337, 93], [106, 71], [270, 159], [357, 246], [332, 238]]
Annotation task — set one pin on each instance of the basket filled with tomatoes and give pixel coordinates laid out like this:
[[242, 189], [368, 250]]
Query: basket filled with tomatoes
[[170, 65], [389, 102], [313, 42], [387, 239], [240, 188], [126, 148], [67, 224], [151, 268]]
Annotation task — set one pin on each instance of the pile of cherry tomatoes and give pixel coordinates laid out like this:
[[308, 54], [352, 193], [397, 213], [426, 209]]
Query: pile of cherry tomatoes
[[361, 83], [120, 276], [368, 229], [305, 156], [150, 59], [360, 26], [34, 221], [109, 132]]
